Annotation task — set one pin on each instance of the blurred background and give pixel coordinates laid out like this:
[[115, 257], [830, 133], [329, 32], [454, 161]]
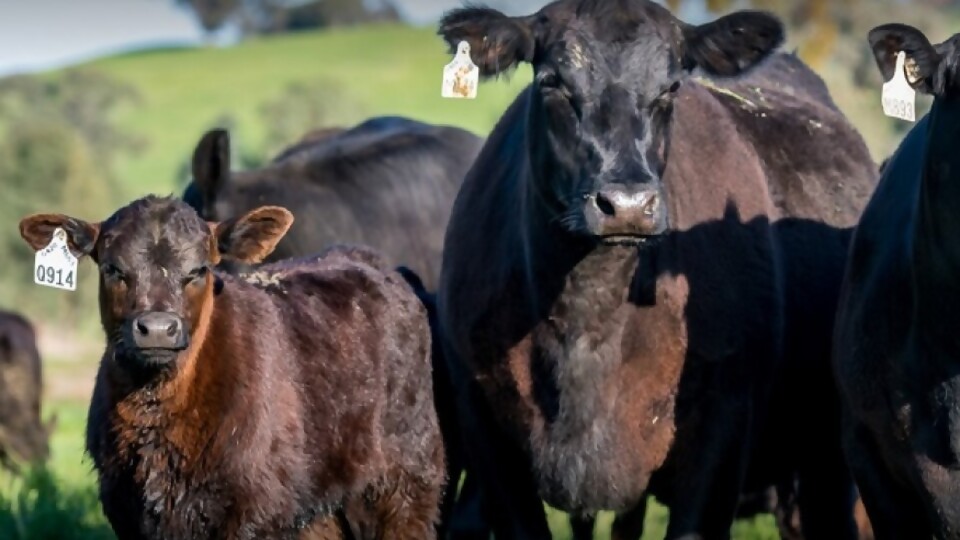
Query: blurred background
[[102, 101]]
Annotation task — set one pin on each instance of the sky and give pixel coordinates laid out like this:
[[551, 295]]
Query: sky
[[38, 34], [44, 34]]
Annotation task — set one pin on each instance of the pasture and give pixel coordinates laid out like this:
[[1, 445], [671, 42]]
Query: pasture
[[358, 73]]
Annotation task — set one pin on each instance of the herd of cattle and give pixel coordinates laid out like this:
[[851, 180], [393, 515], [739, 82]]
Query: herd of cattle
[[672, 269]]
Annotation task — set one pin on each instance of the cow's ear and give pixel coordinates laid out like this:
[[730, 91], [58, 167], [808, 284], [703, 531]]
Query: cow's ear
[[732, 44], [251, 237], [211, 170], [37, 230], [497, 42], [921, 60]]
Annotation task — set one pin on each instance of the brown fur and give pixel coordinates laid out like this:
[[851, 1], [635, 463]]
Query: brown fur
[[302, 398], [23, 436]]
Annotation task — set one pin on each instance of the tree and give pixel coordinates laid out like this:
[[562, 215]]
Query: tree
[[57, 150], [212, 14]]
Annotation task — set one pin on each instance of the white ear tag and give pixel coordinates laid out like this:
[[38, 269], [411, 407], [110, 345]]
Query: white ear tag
[[898, 96], [55, 266], [461, 76]]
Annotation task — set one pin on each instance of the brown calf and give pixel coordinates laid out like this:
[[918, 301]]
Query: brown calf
[[230, 409]]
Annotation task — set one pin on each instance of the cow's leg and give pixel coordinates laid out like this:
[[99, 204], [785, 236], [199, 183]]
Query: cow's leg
[[509, 495], [708, 471], [467, 521], [629, 525], [582, 526], [825, 490], [895, 512]]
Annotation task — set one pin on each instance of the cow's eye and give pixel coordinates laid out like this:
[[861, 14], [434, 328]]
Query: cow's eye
[[549, 80], [111, 272], [196, 275]]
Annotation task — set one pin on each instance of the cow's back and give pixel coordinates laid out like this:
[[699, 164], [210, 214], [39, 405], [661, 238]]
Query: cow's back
[[388, 183], [363, 343]]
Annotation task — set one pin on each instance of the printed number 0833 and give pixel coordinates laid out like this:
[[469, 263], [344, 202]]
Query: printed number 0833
[[48, 274]]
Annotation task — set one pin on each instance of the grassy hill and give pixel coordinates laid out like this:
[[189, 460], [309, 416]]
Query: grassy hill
[[375, 70]]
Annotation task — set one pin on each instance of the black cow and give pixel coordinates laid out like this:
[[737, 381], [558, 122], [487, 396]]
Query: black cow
[[388, 182], [641, 269], [897, 354]]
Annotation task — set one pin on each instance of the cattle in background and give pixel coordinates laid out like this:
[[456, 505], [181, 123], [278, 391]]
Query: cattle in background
[[897, 357], [641, 269], [388, 182], [234, 408], [23, 436]]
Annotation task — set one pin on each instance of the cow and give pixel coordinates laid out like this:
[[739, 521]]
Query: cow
[[388, 182], [23, 435], [295, 401], [896, 352], [641, 268]]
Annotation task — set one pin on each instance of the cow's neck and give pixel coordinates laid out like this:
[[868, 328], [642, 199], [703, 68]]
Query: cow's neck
[[936, 236]]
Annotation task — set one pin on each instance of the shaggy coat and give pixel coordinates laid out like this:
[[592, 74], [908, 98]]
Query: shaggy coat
[[388, 183], [301, 395], [23, 436], [897, 354], [594, 369]]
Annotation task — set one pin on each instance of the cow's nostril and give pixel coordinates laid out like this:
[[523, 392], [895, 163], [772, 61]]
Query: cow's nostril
[[604, 205], [142, 328], [173, 329], [650, 208]]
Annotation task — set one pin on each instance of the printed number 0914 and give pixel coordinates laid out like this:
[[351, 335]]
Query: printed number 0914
[[54, 276]]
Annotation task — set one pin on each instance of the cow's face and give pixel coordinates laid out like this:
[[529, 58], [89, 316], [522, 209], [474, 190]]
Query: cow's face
[[605, 76], [931, 69], [155, 256]]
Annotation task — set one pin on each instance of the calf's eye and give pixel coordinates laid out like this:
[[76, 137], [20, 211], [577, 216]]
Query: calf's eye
[[111, 272], [195, 275]]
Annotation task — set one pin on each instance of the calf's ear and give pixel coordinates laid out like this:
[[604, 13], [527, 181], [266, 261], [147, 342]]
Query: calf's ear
[[251, 237], [921, 60], [733, 43], [211, 171], [497, 42], [37, 230]]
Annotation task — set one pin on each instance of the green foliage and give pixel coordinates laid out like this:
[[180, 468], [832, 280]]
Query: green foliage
[[58, 147], [37, 506], [212, 14]]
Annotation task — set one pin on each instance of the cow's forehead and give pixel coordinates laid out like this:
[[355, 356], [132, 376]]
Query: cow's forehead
[[153, 228], [611, 21]]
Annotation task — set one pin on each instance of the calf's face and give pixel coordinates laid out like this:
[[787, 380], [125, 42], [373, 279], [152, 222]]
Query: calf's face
[[605, 76], [155, 258]]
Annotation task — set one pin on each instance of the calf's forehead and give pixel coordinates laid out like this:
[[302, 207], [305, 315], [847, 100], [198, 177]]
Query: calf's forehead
[[167, 233]]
